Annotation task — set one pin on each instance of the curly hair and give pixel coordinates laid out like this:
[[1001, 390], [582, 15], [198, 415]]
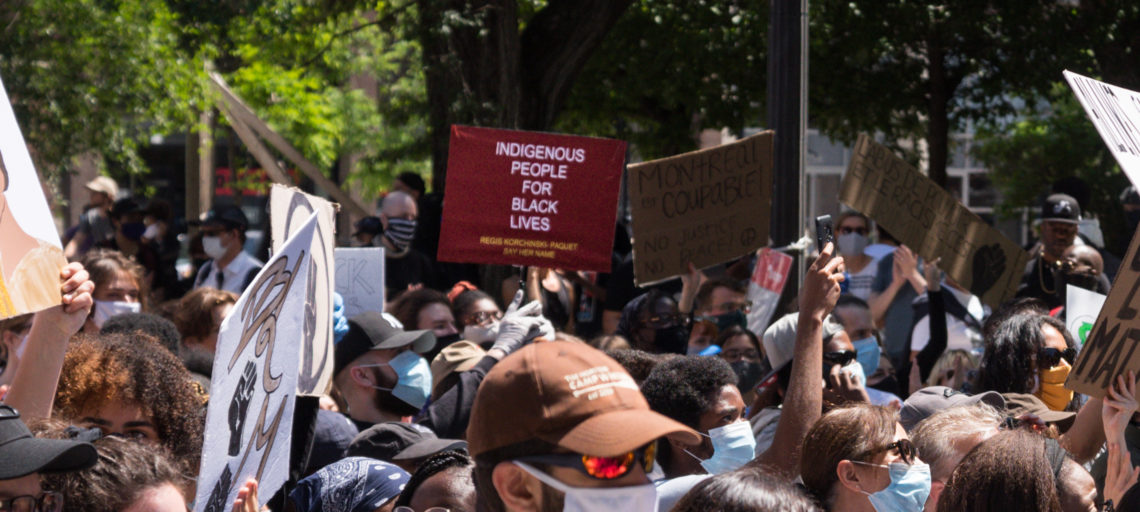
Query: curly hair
[[407, 307], [1009, 471], [435, 465], [124, 471], [747, 489], [685, 387], [194, 316], [104, 265], [1009, 361], [850, 432], [135, 369]]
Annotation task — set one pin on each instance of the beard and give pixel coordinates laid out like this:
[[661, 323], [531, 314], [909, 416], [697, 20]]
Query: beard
[[386, 401]]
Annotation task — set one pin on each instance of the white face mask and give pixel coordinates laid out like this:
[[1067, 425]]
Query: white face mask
[[633, 498], [212, 246], [480, 334], [105, 309]]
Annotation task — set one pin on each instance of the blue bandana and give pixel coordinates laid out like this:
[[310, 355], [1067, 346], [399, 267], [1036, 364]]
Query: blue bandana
[[353, 484]]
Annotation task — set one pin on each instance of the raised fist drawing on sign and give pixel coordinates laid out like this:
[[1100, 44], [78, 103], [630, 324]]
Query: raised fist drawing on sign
[[240, 405], [218, 502], [988, 267]]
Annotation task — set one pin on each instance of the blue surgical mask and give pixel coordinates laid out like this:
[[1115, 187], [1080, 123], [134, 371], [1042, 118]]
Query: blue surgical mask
[[413, 378], [867, 352], [909, 488], [733, 446]]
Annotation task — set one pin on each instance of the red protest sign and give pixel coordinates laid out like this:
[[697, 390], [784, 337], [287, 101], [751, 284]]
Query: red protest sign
[[528, 198]]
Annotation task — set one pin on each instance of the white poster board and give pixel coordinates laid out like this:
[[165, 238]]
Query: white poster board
[[289, 208], [249, 419], [1115, 112], [765, 287], [360, 279], [1081, 309], [30, 253]]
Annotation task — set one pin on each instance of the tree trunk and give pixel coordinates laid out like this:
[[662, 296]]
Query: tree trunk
[[480, 71], [938, 127]]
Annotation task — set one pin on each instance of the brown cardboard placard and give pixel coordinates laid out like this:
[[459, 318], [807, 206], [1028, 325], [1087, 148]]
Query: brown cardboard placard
[[706, 206], [1111, 347], [932, 222]]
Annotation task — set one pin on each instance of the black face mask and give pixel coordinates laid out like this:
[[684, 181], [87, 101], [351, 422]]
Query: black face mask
[[447, 340], [671, 340], [1133, 220], [748, 374]]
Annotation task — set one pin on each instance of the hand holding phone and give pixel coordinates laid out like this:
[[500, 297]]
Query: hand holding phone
[[823, 231]]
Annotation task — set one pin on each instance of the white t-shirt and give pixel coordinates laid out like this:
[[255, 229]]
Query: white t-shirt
[[859, 283]]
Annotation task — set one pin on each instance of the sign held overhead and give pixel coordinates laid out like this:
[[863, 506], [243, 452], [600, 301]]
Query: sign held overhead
[[926, 218], [705, 207]]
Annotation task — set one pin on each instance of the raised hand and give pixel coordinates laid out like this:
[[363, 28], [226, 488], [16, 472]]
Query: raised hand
[[1119, 405], [821, 284], [1120, 475]]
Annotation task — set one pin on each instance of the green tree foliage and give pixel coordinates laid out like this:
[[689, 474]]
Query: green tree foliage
[[914, 71], [670, 69], [93, 76]]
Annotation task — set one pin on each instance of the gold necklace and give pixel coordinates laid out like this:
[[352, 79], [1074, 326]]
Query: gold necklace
[[1041, 274]]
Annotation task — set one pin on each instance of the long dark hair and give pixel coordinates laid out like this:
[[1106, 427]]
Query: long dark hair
[[748, 489], [1009, 363]]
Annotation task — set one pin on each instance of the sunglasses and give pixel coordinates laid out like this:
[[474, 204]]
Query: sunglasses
[[483, 318], [600, 468], [839, 357], [1050, 357], [668, 320], [903, 447]]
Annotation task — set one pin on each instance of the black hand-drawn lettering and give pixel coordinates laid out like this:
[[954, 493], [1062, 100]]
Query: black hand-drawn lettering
[[218, 501], [239, 405], [988, 267], [259, 315]]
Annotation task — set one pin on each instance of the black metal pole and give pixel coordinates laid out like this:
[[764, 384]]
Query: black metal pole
[[786, 94]]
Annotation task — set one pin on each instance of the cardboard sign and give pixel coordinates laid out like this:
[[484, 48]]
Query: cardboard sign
[[527, 198], [289, 209], [249, 419], [1081, 309], [1115, 112], [930, 221], [704, 207], [765, 287], [360, 279], [30, 253], [1111, 346]]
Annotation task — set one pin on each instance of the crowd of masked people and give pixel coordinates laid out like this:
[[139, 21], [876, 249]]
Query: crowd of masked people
[[883, 386]]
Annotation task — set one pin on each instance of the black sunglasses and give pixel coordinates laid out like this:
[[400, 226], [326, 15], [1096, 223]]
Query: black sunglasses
[[906, 450], [839, 357], [1050, 357]]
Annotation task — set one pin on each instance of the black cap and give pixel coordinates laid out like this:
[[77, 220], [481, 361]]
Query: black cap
[[370, 225], [393, 440], [21, 454], [227, 216], [124, 206], [1061, 208], [371, 331]]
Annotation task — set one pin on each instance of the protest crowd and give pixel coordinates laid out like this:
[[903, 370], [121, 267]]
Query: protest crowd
[[884, 385]]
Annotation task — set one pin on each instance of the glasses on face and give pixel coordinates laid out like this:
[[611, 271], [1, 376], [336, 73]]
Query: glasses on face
[[1050, 357], [484, 317], [600, 468], [49, 501], [843, 230], [7, 411], [903, 448], [750, 353], [410, 509], [744, 306], [667, 320], [839, 357]]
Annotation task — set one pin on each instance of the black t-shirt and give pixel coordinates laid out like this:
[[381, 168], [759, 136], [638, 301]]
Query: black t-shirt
[[412, 268], [1037, 281]]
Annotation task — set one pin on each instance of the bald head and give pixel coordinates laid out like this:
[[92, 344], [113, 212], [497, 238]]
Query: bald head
[[1085, 255], [398, 205]]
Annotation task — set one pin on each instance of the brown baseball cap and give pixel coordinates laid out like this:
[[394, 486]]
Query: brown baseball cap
[[568, 394], [457, 357]]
